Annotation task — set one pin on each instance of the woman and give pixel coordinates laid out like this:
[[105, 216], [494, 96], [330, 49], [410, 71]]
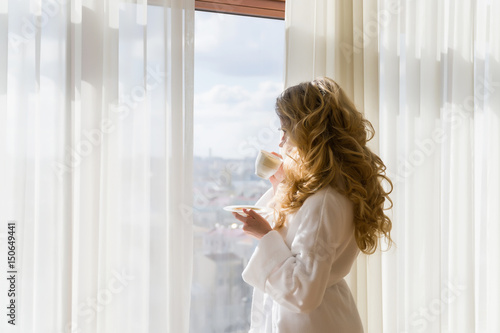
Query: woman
[[329, 205]]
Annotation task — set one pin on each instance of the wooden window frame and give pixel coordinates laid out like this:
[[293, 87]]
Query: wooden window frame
[[273, 9]]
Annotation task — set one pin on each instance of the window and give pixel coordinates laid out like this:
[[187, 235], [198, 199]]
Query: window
[[238, 75]]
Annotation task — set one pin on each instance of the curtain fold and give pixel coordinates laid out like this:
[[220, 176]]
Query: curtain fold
[[426, 75], [96, 154]]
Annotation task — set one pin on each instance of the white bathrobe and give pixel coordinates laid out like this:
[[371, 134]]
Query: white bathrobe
[[298, 272]]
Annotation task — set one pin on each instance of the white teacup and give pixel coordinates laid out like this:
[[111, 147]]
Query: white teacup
[[266, 164]]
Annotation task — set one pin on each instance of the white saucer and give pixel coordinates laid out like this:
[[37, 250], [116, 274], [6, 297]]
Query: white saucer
[[239, 209]]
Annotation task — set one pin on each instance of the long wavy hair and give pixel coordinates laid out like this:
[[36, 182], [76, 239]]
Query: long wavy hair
[[326, 145]]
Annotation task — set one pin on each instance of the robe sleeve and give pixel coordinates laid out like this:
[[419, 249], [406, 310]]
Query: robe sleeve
[[297, 277], [266, 198]]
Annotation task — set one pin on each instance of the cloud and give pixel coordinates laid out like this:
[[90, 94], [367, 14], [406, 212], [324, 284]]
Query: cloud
[[238, 74], [250, 46], [235, 121]]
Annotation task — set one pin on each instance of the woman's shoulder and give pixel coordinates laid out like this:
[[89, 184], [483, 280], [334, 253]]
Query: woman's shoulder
[[327, 197], [329, 212]]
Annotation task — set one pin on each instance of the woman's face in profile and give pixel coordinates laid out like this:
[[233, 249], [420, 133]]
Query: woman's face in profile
[[283, 137]]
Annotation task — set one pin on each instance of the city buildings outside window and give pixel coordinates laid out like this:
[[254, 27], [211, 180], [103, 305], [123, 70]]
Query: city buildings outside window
[[238, 75]]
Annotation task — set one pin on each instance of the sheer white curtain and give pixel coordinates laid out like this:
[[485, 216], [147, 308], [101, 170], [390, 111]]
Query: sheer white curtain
[[427, 74], [95, 171]]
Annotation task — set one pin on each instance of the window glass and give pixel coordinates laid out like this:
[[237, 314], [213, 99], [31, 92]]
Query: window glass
[[238, 75]]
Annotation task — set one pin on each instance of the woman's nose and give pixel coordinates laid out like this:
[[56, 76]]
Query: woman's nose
[[283, 138], [282, 142]]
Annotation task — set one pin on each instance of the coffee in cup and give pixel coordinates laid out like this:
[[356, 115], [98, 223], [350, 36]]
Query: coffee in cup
[[266, 164]]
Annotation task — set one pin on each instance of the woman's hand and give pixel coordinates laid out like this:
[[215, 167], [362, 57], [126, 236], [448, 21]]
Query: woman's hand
[[254, 224], [278, 177]]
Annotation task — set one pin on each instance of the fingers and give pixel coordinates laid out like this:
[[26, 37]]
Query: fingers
[[280, 170], [274, 181], [276, 154], [253, 224], [278, 176], [252, 213], [240, 217], [248, 214]]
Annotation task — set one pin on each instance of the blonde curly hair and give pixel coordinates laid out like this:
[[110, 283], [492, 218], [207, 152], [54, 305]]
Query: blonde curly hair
[[326, 145]]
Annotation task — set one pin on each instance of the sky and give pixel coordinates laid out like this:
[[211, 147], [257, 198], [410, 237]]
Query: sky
[[238, 75]]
